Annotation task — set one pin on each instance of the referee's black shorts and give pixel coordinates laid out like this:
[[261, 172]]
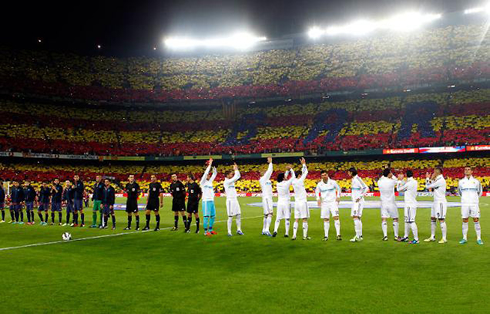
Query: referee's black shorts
[[178, 205]]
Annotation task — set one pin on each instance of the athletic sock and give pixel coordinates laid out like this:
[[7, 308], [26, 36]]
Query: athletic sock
[[360, 227], [337, 226], [276, 225], [238, 220], [478, 230], [357, 228], [228, 224], [415, 231], [197, 223], [432, 228], [40, 217], [157, 217], [295, 229], [68, 218], [106, 220], [407, 230], [184, 219], [147, 221], [268, 223], [326, 227], [83, 218], [176, 221], [287, 223], [130, 218], [17, 214], [52, 217], [206, 223], [3, 214], [12, 215], [384, 227], [264, 223], [211, 222], [113, 221], [22, 216], [443, 229], [60, 217], [305, 229], [75, 218], [189, 221], [395, 228], [46, 216], [137, 222], [28, 216], [94, 218], [465, 230]]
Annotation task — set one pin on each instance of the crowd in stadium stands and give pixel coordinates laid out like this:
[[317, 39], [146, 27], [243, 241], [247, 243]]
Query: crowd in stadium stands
[[411, 120], [440, 55], [250, 173]]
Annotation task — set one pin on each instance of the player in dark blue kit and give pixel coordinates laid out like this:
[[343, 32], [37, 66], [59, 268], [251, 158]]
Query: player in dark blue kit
[[29, 199], [16, 200], [2, 201], [78, 194], [43, 198], [108, 200], [56, 197], [68, 201]]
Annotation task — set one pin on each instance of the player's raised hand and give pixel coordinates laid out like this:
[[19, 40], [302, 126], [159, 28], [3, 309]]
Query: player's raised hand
[[235, 166], [269, 160], [302, 160], [210, 161]]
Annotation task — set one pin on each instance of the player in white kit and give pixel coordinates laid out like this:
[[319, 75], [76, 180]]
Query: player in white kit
[[232, 205], [328, 197], [409, 187], [301, 210], [437, 183], [470, 190], [267, 203], [386, 185], [283, 200], [359, 189]]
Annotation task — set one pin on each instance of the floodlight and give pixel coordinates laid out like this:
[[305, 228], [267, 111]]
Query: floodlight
[[238, 41], [315, 32]]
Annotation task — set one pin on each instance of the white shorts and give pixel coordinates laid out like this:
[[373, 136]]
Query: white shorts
[[470, 210], [268, 206], [439, 210], [301, 210], [233, 207], [283, 210], [357, 208], [410, 212], [389, 210], [329, 208]]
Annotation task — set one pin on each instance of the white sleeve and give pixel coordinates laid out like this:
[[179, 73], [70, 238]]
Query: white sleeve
[[268, 173], [205, 174], [215, 173], [317, 192], [364, 186], [236, 176], [459, 188], [480, 189], [337, 187], [304, 173], [431, 185], [293, 176]]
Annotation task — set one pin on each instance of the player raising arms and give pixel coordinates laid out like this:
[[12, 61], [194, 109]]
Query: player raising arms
[[470, 190], [195, 194], [267, 203], [133, 191], [301, 210], [358, 190], [56, 198], [97, 195], [232, 206], [43, 197], [328, 197], [284, 200], [78, 192], [389, 209], [177, 189], [409, 187], [437, 182], [208, 208], [154, 203], [108, 200]]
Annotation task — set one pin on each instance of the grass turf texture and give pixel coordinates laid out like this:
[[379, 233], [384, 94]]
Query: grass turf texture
[[174, 272]]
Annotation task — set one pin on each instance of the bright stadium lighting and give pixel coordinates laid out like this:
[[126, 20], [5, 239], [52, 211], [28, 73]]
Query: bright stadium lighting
[[485, 9], [315, 32], [237, 41], [408, 21]]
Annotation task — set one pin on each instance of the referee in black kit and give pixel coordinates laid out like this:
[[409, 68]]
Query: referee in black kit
[[177, 189]]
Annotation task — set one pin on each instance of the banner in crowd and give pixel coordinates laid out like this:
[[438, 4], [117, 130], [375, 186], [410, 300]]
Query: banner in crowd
[[447, 149], [391, 151], [477, 148]]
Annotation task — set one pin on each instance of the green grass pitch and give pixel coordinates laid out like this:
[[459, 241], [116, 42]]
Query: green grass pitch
[[173, 272]]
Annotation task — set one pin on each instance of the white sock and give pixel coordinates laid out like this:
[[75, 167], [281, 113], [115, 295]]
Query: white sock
[[264, 224], [443, 229], [229, 222], [238, 220], [287, 224], [295, 229], [357, 227], [305, 229], [395, 228], [268, 223], [478, 230], [415, 231], [337, 226], [326, 227], [276, 225], [465, 230], [407, 229], [432, 228], [360, 227], [384, 227]]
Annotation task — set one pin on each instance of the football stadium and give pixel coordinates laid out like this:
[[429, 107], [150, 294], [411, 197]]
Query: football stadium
[[324, 159]]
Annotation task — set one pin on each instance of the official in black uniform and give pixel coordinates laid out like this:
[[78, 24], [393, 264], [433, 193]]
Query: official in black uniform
[[155, 201], [43, 197], [194, 196], [177, 189], [133, 191]]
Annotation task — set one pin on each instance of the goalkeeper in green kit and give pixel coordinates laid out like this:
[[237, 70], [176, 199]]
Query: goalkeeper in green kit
[[97, 199]]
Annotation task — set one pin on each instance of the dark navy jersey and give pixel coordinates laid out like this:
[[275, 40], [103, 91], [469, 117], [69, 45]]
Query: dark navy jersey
[[109, 196], [133, 190], [44, 194], [194, 191], [154, 190], [98, 191], [29, 194], [177, 189], [57, 193], [68, 194], [78, 190], [2, 195], [17, 194]]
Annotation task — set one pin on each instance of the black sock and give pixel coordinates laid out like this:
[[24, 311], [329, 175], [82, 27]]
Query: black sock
[[60, 217], [184, 218], [197, 223], [176, 221], [147, 221], [3, 215], [68, 217], [32, 216], [12, 215], [130, 218], [52, 217], [22, 216], [106, 220], [83, 218], [46, 216], [17, 216], [75, 218], [158, 220], [113, 221], [189, 221], [28, 216], [137, 222], [40, 216]]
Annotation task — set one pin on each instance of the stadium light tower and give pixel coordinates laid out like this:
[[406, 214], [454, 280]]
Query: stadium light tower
[[238, 41]]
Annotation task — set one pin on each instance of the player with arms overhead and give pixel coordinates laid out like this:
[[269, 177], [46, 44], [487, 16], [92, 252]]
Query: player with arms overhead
[[284, 200], [195, 194], [301, 210], [133, 191], [155, 202], [177, 189], [232, 206], [328, 197], [208, 208], [267, 203], [470, 190], [358, 190], [437, 183]]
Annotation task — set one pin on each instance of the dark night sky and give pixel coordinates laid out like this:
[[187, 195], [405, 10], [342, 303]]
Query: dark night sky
[[132, 28]]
